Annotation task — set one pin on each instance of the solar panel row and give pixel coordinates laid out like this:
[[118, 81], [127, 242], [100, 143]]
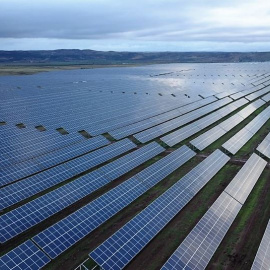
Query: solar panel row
[[28, 151], [59, 237], [33, 212], [35, 165], [14, 136], [199, 246], [264, 146], [242, 184], [183, 133], [153, 121], [68, 119], [104, 127], [213, 134], [258, 93], [236, 142], [125, 115], [26, 256], [262, 259], [266, 98], [240, 92], [246, 92], [30, 186], [161, 129], [118, 250], [263, 79]]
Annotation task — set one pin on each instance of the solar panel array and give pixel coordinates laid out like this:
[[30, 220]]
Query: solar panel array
[[30, 186], [118, 250], [24, 257], [20, 170], [59, 237], [213, 134], [262, 259], [264, 146], [37, 210], [153, 121], [258, 93], [199, 246], [266, 98], [246, 92], [61, 145], [161, 129], [197, 249], [236, 142], [193, 128]]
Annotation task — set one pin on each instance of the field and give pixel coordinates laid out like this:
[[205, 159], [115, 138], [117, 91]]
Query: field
[[9, 70], [58, 115]]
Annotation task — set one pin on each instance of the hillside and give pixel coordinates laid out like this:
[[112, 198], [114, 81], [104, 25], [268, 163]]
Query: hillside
[[92, 57]]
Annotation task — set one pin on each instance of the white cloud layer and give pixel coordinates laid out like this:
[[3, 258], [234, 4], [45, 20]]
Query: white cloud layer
[[142, 25]]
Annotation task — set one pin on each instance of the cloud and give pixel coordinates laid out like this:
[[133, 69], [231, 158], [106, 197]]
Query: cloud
[[141, 22]]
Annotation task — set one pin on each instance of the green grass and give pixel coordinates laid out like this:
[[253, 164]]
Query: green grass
[[238, 249]]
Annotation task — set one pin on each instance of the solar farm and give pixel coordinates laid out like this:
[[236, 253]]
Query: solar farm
[[153, 167]]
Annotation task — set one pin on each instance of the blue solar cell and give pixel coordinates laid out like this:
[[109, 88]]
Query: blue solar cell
[[261, 260], [30, 214], [74, 227], [193, 128], [201, 243], [236, 142], [24, 257], [32, 185], [30, 151], [197, 249], [161, 129], [121, 247], [137, 127]]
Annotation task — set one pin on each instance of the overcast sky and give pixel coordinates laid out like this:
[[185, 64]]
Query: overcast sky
[[135, 25]]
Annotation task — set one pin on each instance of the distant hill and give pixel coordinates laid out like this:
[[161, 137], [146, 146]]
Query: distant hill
[[90, 57]]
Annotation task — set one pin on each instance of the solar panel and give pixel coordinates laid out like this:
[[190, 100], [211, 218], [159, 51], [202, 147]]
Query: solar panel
[[208, 137], [246, 92], [24, 257], [30, 186], [258, 93], [18, 171], [137, 127], [266, 98], [180, 135], [59, 237], [236, 142], [213, 134], [191, 129], [37, 210], [264, 146], [161, 129], [199, 246], [29, 151], [118, 250], [153, 100], [248, 110], [119, 122], [242, 184], [197, 249], [262, 259], [23, 169]]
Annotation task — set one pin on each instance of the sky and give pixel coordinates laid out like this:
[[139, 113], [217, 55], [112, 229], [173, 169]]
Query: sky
[[135, 25]]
